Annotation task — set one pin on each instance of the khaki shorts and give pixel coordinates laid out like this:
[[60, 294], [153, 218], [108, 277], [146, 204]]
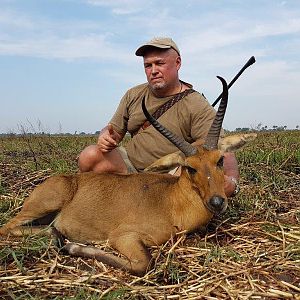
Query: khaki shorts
[[130, 167]]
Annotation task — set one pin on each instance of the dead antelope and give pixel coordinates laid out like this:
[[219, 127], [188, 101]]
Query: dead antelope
[[134, 211]]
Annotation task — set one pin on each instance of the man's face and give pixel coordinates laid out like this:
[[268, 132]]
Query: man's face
[[161, 68]]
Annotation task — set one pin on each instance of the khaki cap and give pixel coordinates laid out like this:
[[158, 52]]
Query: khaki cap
[[158, 42]]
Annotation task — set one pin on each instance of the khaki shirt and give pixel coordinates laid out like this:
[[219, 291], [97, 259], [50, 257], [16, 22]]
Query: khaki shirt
[[189, 118]]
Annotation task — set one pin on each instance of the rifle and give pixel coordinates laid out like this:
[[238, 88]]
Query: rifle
[[248, 64]]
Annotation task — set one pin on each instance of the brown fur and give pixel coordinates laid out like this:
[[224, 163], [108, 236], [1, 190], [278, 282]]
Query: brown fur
[[130, 211]]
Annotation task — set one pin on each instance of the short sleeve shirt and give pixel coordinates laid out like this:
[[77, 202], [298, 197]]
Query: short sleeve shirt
[[189, 118]]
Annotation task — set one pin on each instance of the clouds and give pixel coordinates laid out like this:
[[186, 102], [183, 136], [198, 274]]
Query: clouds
[[100, 37], [24, 34], [92, 47], [14, 20], [120, 7]]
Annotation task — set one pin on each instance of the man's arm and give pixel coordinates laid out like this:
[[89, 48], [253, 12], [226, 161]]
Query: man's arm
[[232, 175]]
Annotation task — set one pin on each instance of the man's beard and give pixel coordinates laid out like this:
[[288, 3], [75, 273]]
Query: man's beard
[[158, 86]]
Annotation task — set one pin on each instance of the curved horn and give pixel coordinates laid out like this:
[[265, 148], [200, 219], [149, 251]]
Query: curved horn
[[179, 142], [213, 135]]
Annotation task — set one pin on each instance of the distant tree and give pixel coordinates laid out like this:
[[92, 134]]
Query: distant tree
[[258, 127], [297, 127], [244, 129], [280, 128]]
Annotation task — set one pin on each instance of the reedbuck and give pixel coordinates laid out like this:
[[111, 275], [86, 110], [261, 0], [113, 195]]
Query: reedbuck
[[134, 211]]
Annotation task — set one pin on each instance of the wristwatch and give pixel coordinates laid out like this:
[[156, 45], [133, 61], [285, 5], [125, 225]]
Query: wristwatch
[[237, 186]]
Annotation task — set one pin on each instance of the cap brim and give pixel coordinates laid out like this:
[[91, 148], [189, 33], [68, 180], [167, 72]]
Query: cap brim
[[141, 51]]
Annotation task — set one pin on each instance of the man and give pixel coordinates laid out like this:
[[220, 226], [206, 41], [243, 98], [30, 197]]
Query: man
[[190, 118]]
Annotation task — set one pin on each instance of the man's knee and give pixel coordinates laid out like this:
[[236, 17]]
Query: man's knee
[[89, 158], [92, 159]]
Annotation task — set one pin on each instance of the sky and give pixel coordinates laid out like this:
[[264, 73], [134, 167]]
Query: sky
[[65, 64]]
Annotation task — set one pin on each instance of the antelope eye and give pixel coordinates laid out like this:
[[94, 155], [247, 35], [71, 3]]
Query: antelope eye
[[191, 170], [220, 162]]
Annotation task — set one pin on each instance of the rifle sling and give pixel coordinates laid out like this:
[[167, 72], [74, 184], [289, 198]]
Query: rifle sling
[[161, 110]]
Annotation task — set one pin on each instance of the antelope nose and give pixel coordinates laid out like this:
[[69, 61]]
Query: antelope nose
[[217, 203]]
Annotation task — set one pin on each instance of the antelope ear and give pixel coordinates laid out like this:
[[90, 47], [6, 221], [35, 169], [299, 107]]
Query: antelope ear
[[235, 142], [167, 163]]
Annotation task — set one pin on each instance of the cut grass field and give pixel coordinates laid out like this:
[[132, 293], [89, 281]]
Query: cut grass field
[[250, 252]]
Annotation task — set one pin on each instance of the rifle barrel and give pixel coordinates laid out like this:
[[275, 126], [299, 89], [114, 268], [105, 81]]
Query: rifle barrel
[[248, 64]]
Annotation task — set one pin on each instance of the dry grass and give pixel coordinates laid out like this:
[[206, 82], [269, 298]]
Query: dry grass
[[250, 252]]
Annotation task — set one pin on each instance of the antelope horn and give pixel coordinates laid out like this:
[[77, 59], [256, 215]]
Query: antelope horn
[[211, 141], [179, 142]]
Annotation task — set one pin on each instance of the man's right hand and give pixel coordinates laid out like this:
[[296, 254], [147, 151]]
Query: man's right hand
[[108, 139]]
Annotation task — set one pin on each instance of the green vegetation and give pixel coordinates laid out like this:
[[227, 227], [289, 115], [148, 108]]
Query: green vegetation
[[252, 250]]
